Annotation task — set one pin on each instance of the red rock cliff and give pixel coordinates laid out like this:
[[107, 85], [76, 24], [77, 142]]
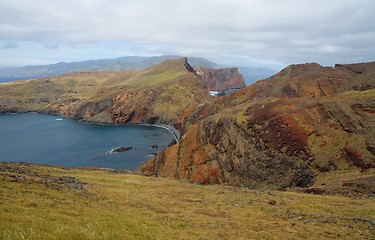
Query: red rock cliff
[[220, 79]]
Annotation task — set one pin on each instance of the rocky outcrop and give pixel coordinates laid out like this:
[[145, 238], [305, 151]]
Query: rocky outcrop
[[119, 149]]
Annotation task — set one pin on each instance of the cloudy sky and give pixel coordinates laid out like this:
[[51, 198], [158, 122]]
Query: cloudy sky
[[267, 33]]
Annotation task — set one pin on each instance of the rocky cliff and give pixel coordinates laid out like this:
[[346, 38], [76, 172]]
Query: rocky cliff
[[220, 79], [281, 132]]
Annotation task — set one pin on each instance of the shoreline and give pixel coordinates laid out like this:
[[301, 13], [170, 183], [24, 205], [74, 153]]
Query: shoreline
[[174, 131]]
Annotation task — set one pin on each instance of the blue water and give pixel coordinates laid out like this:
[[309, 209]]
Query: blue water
[[63, 141], [11, 79]]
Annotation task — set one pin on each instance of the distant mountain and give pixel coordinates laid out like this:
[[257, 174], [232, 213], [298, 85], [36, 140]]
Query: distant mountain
[[250, 74], [116, 64], [253, 74]]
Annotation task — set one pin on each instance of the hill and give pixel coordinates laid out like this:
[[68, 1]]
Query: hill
[[44, 202], [102, 65], [299, 128], [158, 94]]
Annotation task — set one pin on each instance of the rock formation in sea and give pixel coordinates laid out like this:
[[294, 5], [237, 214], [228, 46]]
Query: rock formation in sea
[[119, 149]]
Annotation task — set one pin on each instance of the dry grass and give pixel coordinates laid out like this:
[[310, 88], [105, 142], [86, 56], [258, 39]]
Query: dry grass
[[127, 206]]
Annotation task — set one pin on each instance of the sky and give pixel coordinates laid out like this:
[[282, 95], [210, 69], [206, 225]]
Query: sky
[[257, 33]]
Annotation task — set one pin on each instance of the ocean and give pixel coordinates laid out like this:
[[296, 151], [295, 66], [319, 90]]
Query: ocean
[[11, 79], [56, 140]]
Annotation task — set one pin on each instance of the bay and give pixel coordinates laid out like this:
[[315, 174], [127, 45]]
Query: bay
[[57, 140]]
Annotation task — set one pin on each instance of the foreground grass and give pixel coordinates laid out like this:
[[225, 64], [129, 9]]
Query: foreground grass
[[35, 205]]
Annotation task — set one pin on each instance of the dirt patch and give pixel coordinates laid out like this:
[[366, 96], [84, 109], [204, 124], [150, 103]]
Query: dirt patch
[[21, 172]]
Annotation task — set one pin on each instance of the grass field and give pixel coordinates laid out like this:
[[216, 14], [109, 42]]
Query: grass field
[[41, 202]]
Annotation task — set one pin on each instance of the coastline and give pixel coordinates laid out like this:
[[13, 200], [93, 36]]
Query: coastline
[[174, 131]]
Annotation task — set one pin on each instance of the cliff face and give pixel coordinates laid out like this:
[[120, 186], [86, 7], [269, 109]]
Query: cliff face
[[220, 79], [281, 132]]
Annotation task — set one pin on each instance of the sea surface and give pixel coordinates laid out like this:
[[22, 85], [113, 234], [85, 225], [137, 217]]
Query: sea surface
[[11, 79], [57, 140]]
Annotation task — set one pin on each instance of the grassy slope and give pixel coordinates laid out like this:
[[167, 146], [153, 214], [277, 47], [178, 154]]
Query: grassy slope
[[86, 85], [23, 95], [126, 206]]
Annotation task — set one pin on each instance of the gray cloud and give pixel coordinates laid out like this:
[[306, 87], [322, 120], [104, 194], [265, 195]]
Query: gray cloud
[[275, 32], [9, 45]]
